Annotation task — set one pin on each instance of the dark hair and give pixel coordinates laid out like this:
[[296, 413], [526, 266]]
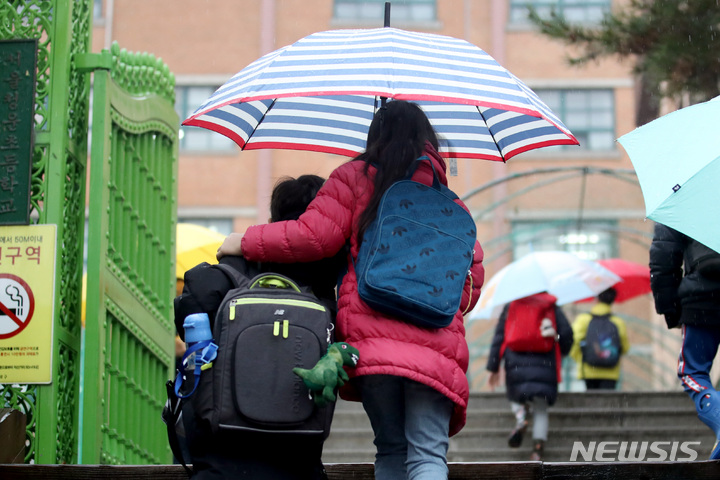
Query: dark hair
[[607, 296], [291, 196], [396, 137]]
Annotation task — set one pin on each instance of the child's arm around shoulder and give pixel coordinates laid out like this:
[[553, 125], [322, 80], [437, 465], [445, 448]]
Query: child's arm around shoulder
[[231, 246]]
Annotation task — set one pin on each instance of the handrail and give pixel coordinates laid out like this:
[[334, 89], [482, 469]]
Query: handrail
[[698, 470]]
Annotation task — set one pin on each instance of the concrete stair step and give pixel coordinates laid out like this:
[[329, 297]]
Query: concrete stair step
[[474, 439], [566, 437], [628, 417], [576, 417], [503, 417], [596, 399], [522, 454], [553, 453], [349, 455]]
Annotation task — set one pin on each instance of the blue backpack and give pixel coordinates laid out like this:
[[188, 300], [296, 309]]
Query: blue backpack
[[416, 254]]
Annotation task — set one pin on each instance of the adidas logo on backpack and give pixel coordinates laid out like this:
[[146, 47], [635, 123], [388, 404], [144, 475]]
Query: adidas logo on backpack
[[417, 253]]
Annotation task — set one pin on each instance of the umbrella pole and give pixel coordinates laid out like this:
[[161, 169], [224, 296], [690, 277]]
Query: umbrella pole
[[383, 100]]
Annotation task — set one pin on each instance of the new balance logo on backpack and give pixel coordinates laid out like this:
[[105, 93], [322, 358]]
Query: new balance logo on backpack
[[417, 253], [601, 347]]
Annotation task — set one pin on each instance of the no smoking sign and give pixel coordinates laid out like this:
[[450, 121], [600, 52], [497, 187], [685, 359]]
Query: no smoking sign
[[17, 305], [27, 303]]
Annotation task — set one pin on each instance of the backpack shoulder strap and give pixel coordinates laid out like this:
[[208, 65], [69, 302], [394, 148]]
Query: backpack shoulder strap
[[170, 416], [414, 166], [593, 316], [237, 278]]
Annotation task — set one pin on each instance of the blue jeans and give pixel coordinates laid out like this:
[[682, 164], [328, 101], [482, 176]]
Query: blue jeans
[[411, 422], [699, 347]]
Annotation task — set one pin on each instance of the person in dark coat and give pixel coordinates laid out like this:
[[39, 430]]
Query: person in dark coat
[[248, 455], [685, 282], [204, 287], [531, 379]]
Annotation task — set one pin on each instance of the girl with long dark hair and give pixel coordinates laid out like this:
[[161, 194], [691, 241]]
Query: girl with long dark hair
[[411, 380]]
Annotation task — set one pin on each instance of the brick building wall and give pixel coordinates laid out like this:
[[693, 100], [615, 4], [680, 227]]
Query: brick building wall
[[205, 42]]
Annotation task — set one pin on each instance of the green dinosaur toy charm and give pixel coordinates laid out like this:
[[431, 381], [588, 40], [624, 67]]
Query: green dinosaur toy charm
[[328, 373]]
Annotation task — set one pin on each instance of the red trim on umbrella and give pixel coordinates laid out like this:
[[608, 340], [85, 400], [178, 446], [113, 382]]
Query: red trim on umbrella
[[301, 146], [231, 134], [479, 156], [549, 143], [377, 93]]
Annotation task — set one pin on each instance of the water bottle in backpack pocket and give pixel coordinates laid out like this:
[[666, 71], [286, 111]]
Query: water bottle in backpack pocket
[[198, 356]]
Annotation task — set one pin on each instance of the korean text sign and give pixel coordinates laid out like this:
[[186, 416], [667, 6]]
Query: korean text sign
[[27, 298], [18, 59]]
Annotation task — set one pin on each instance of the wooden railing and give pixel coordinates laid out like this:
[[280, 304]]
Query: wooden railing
[[701, 470]]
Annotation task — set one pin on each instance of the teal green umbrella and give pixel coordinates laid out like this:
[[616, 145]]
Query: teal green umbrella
[[677, 161]]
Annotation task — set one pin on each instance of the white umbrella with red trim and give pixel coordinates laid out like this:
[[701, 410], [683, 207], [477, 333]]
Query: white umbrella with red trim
[[561, 274]]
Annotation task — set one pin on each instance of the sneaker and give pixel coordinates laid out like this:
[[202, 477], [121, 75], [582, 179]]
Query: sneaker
[[708, 409], [516, 436], [538, 450]]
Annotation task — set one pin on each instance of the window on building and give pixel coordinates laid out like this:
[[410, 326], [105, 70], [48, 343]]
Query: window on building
[[401, 10], [98, 12], [575, 11], [223, 226], [594, 240], [196, 139], [588, 113]]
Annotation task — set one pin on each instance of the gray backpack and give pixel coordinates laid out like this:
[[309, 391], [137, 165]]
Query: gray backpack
[[263, 330]]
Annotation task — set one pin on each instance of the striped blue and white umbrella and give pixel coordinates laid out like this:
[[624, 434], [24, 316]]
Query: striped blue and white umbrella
[[321, 92]]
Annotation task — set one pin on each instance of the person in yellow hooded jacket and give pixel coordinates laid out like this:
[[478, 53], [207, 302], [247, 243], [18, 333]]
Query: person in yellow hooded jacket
[[597, 377]]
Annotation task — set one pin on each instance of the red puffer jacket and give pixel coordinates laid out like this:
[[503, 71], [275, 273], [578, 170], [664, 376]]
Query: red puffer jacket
[[437, 358]]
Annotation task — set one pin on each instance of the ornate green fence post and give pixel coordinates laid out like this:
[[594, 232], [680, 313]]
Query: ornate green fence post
[[129, 349], [57, 197]]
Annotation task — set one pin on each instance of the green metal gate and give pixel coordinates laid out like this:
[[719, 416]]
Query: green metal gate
[[57, 197], [129, 336], [129, 350]]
